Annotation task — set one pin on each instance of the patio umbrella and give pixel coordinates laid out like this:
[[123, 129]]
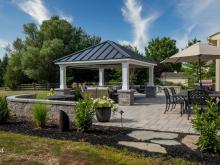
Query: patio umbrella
[[196, 53]]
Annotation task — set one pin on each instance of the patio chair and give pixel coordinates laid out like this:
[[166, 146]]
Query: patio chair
[[175, 98], [199, 98], [172, 102]]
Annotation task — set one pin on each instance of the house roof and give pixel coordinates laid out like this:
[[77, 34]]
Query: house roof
[[172, 75], [214, 34], [107, 50]]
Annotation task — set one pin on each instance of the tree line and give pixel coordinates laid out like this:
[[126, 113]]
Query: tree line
[[30, 60]]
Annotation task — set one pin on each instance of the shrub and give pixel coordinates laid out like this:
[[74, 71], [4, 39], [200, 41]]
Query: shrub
[[208, 124], [51, 92], [4, 111], [39, 114], [84, 112], [77, 93]]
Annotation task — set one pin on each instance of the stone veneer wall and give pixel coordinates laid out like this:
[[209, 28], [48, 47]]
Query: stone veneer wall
[[125, 97], [20, 107]]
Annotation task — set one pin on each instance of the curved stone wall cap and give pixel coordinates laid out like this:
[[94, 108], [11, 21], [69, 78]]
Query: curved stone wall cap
[[126, 91], [58, 89], [40, 101]]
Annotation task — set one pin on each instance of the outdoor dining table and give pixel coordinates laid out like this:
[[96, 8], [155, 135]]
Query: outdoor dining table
[[184, 95]]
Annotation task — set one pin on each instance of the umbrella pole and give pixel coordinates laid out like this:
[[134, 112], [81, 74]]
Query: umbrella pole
[[200, 74]]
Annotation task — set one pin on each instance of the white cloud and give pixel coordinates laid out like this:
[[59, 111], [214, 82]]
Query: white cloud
[[34, 8], [38, 10], [200, 19], [63, 16], [3, 43], [124, 42], [67, 18], [132, 11], [183, 40]]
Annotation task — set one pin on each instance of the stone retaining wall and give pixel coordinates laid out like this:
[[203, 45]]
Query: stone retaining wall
[[20, 107]]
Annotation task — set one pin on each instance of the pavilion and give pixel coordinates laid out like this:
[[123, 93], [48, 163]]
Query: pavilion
[[107, 55]]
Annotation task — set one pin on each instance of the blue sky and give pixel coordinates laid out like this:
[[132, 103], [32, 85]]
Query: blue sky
[[125, 21]]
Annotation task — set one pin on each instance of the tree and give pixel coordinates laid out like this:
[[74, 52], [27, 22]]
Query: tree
[[18, 45], [190, 69], [132, 48], [54, 39], [14, 74], [159, 49], [192, 42], [33, 57], [3, 66]]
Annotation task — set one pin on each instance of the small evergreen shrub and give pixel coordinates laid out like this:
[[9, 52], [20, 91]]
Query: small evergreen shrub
[[208, 124], [84, 113], [4, 111], [39, 114], [77, 93]]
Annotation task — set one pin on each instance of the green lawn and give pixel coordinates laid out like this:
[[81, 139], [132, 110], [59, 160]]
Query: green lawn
[[23, 149], [40, 94]]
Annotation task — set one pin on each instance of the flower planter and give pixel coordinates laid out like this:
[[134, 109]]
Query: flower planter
[[103, 114]]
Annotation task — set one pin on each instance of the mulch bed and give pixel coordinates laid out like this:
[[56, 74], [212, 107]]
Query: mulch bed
[[109, 136]]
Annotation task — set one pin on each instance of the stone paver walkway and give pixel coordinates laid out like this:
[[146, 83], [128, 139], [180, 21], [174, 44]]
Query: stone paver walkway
[[148, 113], [158, 142], [144, 146], [147, 135]]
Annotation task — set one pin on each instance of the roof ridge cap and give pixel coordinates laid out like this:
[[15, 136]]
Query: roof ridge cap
[[112, 43]]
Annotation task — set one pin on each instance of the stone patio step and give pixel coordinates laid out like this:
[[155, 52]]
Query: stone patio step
[[144, 146]]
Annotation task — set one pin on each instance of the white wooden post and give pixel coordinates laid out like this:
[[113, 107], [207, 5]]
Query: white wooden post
[[151, 76], [125, 76], [63, 77], [101, 76], [217, 71]]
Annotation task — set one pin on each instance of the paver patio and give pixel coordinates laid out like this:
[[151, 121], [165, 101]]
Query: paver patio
[[148, 113]]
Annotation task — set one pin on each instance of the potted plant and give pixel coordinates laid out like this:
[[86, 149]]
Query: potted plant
[[104, 106]]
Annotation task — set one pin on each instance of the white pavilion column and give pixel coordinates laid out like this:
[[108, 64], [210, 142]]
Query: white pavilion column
[[101, 76], [150, 89], [63, 77], [125, 95], [151, 76], [125, 76], [217, 71]]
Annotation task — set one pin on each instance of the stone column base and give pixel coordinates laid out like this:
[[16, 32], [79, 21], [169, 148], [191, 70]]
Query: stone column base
[[150, 91], [125, 97], [59, 91]]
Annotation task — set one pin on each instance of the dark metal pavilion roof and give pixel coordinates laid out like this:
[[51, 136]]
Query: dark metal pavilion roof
[[107, 50]]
